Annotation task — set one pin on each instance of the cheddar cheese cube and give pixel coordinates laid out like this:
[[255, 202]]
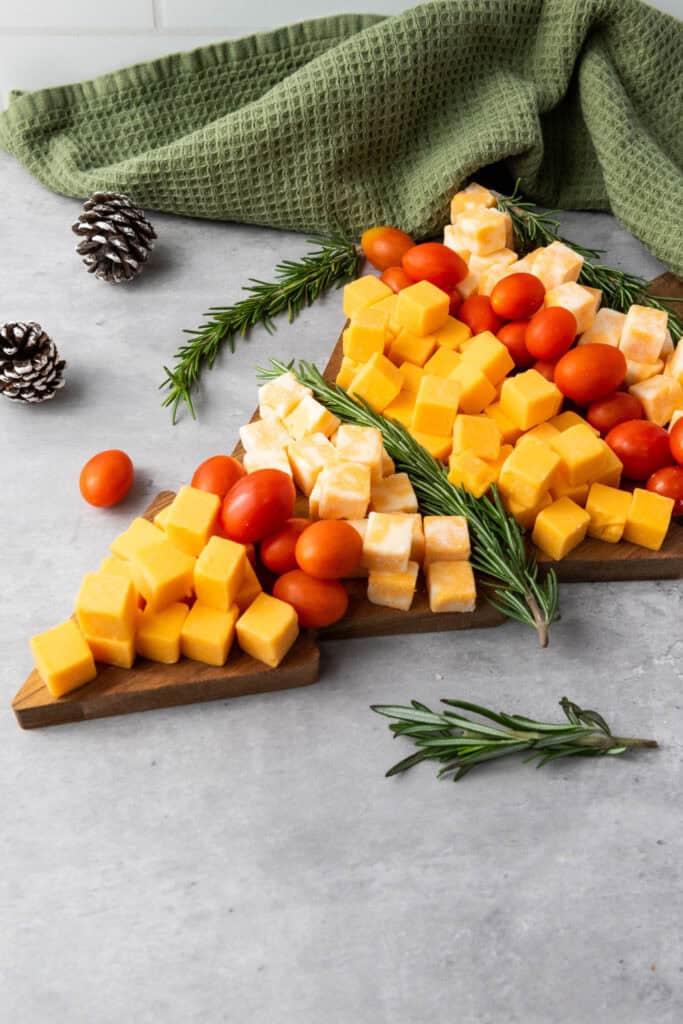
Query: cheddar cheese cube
[[608, 508], [447, 539], [269, 433], [410, 347], [120, 653], [120, 567], [191, 519], [388, 308], [476, 390], [267, 630], [473, 474], [643, 334], [439, 446], [471, 197], [157, 636], [525, 514], [489, 355], [378, 382], [310, 417], [207, 634], [388, 542], [393, 494], [164, 574], [161, 517], [344, 491], [648, 519], [106, 606], [582, 454], [365, 334], [402, 407], [364, 291], [528, 399], [606, 328], [363, 445], [451, 587], [610, 474], [636, 372], [562, 488], [347, 371], [219, 573], [560, 528], [483, 231], [62, 658], [422, 307], [436, 404], [581, 301], [543, 432], [660, 396], [442, 363], [139, 534], [308, 457], [452, 334], [278, 397], [528, 472], [509, 433], [250, 588], [412, 375], [565, 420], [478, 435], [393, 589]]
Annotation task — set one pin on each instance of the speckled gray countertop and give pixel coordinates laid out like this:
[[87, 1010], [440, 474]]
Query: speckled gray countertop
[[246, 860]]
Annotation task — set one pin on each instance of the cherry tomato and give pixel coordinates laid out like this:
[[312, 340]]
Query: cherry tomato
[[589, 372], [251, 553], [218, 474], [454, 303], [434, 262], [513, 337], [641, 446], [257, 505], [676, 441], [618, 407], [384, 246], [546, 368], [517, 296], [277, 550], [669, 482], [478, 314], [317, 603], [329, 550], [551, 332], [396, 278], [106, 478]]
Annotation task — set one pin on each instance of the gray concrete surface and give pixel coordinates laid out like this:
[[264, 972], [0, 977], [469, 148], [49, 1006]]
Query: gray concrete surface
[[246, 860]]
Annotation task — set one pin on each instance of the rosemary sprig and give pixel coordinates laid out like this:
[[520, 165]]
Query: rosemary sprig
[[460, 743], [533, 228], [498, 549], [297, 284]]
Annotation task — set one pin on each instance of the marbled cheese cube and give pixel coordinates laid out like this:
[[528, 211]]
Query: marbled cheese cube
[[581, 301], [469, 284], [447, 539], [388, 542], [451, 587], [270, 434], [471, 197], [484, 231], [378, 382], [365, 334], [393, 494], [557, 264], [314, 499], [560, 528], [478, 435], [608, 508], [157, 636], [583, 455], [360, 526], [308, 457], [668, 346], [278, 397], [489, 355], [267, 458], [636, 372], [643, 334], [361, 444], [191, 519], [479, 264], [62, 658], [268, 629], [648, 519], [660, 397], [674, 363], [393, 589], [606, 328], [344, 491], [106, 606], [388, 466], [207, 634], [364, 291], [141, 533], [310, 417]]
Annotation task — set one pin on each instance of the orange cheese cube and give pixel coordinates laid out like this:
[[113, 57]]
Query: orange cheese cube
[[606, 328], [565, 420], [451, 587], [442, 362], [643, 334], [439, 446], [582, 454], [410, 347], [473, 474], [560, 528], [483, 231], [660, 397], [471, 197], [528, 399], [378, 382], [267, 630], [364, 291], [219, 573], [412, 375], [490, 356], [347, 371], [158, 633], [562, 488], [344, 491], [164, 574], [476, 390], [612, 470], [310, 417], [207, 634], [452, 334], [648, 519], [308, 457], [393, 589], [436, 404], [393, 494], [139, 534], [608, 508], [583, 302], [119, 567], [422, 307], [557, 264], [106, 606], [525, 515], [543, 432], [388, 542], [365, 334], [62, 658], [447, 539], [120, 653], [160, 518], [509, 433], [250, 589], [269, 433], [478, 435], [528, 472], [278, 397], [191, 519], [401, 408], [363, 445], [388, 308]]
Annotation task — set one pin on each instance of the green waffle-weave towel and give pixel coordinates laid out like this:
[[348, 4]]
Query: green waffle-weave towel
[[349, 121]]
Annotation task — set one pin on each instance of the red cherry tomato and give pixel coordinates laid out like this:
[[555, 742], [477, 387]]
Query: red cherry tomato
[[251, 553], [517, 296], [278, 550], [589, 372], [618, 407], [257, 505], [454, 303], [641, 446], [396, 278], [513, 337], [106, 478], [317, 603], [676, 441], [546, 368], [329, 550], [551, 332], [478, 314], [218, 474], [384, 246], [434, 262], [669, 482]]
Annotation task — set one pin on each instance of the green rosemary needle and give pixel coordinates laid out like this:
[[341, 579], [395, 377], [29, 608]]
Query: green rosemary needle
[[297, 284], [460, 743], [499, 553]]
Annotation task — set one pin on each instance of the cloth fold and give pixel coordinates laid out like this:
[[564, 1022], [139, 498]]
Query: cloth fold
[[344, 122]]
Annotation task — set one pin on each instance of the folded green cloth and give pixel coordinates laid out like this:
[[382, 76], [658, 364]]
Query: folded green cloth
[[349, 121]]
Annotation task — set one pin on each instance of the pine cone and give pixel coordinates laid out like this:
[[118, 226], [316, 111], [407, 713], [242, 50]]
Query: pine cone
[[117, 237], [30, 367]]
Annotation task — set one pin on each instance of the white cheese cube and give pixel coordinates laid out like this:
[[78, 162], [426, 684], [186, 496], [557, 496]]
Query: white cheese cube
[[388, 466], [388, 542], [361, 444], [484, 230], [344, 491], [635, 372], [468, 286], [501, 257], [490, 278], [660, 397], [310, 417], [606, 328], [469, 198], [264, 434], [417, 548], [557, 264], [447, 539], [674, 418], [308, 457], [644, 334], [278, 397], [267, 458], [668, 346], [452, 239], [674, 363], [451, 587], [393, 494], [393, 589], [314, 499], [582, 302]]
